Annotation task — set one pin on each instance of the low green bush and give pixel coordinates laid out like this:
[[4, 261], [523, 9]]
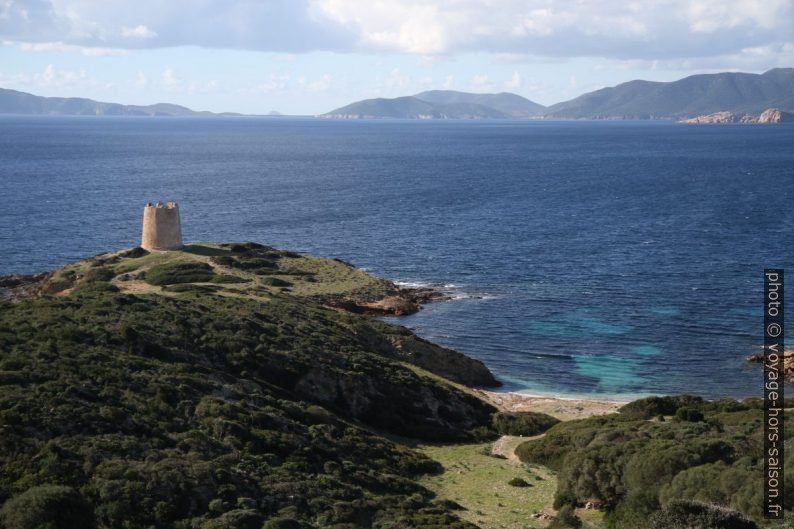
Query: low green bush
[[688, 414], [47, 507], [526, 423], [566, 519], [650, 407], [101, 273], [275, 282], [684, 514], [519, 482], [172, 273]]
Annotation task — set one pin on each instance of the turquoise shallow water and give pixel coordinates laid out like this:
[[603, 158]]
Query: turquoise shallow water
[[586, 258]]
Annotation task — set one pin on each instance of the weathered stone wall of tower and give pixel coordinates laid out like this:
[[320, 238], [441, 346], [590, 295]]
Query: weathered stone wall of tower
[[161, 227]]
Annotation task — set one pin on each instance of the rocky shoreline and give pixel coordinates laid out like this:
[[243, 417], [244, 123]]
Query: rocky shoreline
[[393, 301], [770, 115], [788, 364]]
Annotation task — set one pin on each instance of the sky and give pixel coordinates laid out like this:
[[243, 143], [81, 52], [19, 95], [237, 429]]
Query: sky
[[311, 56]]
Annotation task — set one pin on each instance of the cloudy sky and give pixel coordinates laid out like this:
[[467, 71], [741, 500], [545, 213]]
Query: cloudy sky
[[310, 56]]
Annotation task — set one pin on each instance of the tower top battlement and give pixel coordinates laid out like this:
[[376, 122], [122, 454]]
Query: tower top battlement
[[162, 229], [167, 205]]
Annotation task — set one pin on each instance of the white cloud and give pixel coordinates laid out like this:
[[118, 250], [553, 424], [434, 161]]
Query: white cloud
[[276, 83], [609, 28], [50, 77], [613, 29], [138, 32], [515, 81], [60, 47], [170, 80], [319, 85]]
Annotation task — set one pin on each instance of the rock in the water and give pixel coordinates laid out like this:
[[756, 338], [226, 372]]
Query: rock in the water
[[788, 364]]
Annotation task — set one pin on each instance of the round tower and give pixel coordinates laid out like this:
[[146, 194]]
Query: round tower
[[161, 227]]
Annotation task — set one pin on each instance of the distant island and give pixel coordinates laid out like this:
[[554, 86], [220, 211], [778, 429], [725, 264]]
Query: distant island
[[696, 95], [15, 102], [443, 104]]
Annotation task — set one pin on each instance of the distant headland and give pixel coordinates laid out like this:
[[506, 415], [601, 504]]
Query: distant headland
[[15, 102], [696, 95]]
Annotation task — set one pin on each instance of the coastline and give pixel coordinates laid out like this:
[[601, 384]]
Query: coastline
[[563, 408]]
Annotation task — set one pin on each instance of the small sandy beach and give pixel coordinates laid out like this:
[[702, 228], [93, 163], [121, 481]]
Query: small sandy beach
[[564, 409]]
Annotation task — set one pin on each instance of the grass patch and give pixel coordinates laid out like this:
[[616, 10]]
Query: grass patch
[[480, 483]]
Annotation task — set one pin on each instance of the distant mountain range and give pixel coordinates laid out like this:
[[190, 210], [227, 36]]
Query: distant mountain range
[[14, 102], [695, 95]]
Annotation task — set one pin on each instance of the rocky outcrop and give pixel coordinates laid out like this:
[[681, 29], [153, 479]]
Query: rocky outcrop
[[722, 117], [444, 362], [788, 364], [775, 115], [770, 115], [394, 301], [20, 286]]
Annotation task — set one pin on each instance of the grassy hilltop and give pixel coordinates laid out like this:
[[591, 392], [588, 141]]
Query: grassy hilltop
[[235, 386]]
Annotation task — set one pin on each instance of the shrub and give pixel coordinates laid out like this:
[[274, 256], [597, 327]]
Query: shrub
[[282, 523], [518, 482], [522, 422], [94, 287], [566, 519], [224, 260], [171, 273], [275, 282], [236, 519], [47, 507], [99, 274], [685, 514], [650, 407], [688, 414]]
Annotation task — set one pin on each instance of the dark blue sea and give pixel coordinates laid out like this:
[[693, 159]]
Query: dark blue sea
[[587, 258]]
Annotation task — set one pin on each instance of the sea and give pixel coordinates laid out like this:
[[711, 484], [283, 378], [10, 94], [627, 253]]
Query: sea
[[591, 259]]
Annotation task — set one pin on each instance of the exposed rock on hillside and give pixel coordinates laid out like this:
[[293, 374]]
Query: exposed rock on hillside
[[774, 115], [770, 115], [722, 117]]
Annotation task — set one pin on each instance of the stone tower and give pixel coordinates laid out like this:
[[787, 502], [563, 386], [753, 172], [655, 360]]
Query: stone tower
[[161, 227]]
